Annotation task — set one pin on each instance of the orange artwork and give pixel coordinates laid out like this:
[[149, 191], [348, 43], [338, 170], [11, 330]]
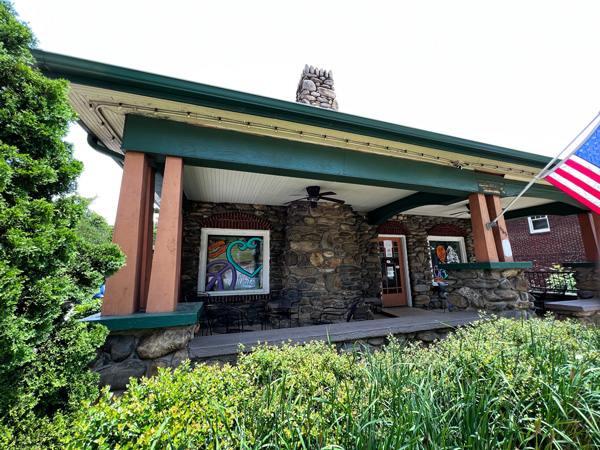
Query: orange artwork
[[219, 247], [441, 253]]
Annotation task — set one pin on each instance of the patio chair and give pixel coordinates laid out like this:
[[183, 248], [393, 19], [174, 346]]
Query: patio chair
[[333, 313], [287, 308]]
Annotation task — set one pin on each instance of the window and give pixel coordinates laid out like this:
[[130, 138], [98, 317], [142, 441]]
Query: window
[[445, 250], [234, 262], [538, 224]]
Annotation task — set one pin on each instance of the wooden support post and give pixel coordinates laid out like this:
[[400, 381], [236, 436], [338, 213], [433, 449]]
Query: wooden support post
[[163, 294], [483, 239], [499, 230], [122, 294], [147, 238], [589, 223]]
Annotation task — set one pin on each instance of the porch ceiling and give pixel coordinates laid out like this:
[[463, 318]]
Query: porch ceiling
[[228, 186]]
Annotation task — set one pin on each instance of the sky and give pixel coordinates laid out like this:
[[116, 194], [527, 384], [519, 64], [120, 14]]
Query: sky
[[516, 74]]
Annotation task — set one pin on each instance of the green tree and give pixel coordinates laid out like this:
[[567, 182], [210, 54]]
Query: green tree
[[43, 262]]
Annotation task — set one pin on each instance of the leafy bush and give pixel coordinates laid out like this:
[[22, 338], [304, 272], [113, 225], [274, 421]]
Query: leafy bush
[[497, 384], [43, 262]]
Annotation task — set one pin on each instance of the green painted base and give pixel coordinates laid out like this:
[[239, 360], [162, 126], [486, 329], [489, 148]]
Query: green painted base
[[185, 314], [488, 265], [574, 265]]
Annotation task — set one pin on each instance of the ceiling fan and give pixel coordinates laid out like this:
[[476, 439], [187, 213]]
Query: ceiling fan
[[461, 213], [315, 194]]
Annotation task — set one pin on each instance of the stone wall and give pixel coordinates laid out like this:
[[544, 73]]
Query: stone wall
[[587, 280], [331, 254], [419, 257], [501, 291], [139, 353], [316, 88]]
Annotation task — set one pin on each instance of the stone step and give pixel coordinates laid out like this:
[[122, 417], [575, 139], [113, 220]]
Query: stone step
[[574, 305]]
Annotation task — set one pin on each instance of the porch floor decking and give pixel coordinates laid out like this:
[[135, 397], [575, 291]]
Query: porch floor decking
[[220, 345]]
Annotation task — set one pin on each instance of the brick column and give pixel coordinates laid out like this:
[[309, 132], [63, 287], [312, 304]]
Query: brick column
[[122, 295], [483, 239], [499, 231], [163, 294], [589, 223]]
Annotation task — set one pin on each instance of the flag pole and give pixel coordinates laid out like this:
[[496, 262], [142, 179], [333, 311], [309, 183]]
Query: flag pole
[[537, 177]]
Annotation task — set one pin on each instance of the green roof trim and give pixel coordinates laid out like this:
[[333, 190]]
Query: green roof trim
[[487, 265], [106, 76], [575, 265], [185, 314]]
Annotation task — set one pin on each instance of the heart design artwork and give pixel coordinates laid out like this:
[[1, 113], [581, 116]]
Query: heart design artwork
[[251, 244]]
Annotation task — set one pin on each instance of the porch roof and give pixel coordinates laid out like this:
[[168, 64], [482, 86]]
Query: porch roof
[[376, 166]]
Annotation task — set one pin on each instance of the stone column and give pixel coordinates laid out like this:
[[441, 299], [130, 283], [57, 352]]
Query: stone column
[[316, 88], [499, 231], [483, 239], [589, 223], [163, 294], [122, 295]]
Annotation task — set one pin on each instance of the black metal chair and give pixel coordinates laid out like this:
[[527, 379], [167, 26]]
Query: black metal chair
[[333, 313], [287, 309]]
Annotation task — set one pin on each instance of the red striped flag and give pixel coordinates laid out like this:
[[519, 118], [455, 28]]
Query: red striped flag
[[579, 175]]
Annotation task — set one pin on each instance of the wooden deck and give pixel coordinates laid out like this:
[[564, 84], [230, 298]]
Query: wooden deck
[[408, 320]]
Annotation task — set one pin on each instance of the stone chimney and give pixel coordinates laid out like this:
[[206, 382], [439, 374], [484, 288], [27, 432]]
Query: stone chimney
[[316, 88]]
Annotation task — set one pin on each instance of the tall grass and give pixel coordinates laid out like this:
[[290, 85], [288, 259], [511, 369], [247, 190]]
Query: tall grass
[[499, 384]]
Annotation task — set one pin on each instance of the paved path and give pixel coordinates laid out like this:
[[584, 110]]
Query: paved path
[[227, 344]]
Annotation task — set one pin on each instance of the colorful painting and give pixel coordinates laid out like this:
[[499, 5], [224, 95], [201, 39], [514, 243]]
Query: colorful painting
[[234, 263], [443, 252]]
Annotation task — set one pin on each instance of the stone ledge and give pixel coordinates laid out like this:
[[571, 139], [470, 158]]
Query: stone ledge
[[574, 305], [202, 347], [185, 314], [488, 265]]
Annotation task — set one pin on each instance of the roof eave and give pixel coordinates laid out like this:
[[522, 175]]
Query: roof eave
[[143, 83]]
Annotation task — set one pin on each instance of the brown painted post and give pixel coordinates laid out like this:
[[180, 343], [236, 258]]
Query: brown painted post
[[499, 230], [589, 223], [123, 288], [163, 294], [483, 239], [147, 239]]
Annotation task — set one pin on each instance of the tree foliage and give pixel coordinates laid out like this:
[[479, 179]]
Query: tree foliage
[[43, 261]]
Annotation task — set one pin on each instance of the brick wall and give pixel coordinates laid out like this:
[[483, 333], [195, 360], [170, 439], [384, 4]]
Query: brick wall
[[563, 243]]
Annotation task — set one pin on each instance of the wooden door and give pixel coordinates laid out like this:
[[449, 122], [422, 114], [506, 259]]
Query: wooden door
[[393, 285]]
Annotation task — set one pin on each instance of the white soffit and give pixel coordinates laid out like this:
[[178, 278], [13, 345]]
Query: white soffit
[[228, 186], [103, 111], [459, 210]]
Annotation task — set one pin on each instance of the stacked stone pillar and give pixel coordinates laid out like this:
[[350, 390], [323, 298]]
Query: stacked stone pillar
[[316, 88]]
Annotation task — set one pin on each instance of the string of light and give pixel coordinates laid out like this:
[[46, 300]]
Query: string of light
[[97, 107]]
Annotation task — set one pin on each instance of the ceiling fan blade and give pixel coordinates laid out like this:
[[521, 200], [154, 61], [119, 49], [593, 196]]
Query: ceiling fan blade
[[329, 199], [327, 193], [313, 191]]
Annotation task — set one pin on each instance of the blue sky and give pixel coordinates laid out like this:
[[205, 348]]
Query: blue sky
[[516, 74]]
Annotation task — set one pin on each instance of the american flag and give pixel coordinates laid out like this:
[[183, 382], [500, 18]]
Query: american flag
[[579, 175]]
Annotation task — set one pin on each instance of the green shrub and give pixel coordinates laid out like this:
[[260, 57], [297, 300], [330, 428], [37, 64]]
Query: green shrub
[[498, 384]]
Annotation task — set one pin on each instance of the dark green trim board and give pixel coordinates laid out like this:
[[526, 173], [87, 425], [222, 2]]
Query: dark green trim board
[[382, 214], [223, 149], [185, 314], [106, 76], [575, 265], [550, 209], [488, 265]]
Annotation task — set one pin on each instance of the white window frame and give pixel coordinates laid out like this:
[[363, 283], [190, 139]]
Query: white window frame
[[264, 234], [534, 231], [461, 246]]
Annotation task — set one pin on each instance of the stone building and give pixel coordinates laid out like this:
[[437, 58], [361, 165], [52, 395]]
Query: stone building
[[260, 197]]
